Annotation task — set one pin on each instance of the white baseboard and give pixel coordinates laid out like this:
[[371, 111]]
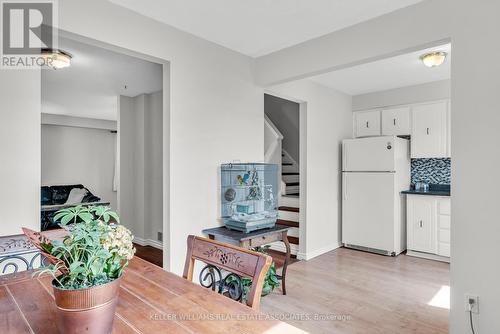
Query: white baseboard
[[280, 247], [148, 242], [310, 255], [428, 256]]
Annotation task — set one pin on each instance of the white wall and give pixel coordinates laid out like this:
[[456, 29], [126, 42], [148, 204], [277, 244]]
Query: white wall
[[475, 232], [216, 116], [79, 122], [216, 110], [432, 91], [412, 28], [328, 120], [153, 168], [140, 125], [131, 186], [73, 155], [19, 150], [472, 26], [285, 116]]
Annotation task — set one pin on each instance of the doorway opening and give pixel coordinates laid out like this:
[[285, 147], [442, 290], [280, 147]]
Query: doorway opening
[[103, 134], [282, 147]]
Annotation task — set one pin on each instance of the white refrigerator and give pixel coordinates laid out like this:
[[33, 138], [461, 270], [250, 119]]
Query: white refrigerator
[[374, 172]]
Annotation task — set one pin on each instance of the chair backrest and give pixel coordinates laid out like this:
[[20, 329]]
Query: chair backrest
[[221, 257]]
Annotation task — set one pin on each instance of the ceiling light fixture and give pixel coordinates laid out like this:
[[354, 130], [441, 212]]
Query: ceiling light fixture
[[56, 59], [433, 59]]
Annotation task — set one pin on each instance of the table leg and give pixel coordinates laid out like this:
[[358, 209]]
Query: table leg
[[287, 260]]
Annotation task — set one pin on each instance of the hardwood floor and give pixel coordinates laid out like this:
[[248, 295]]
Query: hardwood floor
[[150, 254], [379, 294]]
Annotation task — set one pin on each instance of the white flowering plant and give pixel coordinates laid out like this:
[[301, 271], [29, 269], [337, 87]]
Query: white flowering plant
[[95, 251]]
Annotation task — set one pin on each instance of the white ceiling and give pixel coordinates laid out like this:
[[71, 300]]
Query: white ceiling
[[259, 27], [395, 72], [91, 85]]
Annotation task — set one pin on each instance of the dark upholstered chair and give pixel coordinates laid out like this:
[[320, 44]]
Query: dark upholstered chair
[[53, 198]]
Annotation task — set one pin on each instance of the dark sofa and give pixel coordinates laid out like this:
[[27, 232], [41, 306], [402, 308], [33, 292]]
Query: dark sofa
[[53, 198]]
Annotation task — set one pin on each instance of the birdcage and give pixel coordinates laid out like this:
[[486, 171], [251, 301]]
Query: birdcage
[[249, 196]]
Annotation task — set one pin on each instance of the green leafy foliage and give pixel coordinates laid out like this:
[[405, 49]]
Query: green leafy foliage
[[95, 251], [271, 281]]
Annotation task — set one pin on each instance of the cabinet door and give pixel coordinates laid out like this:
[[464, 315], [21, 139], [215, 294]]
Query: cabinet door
[[444, 225], [421, 225], [396, 122], [429, 138], [367, 123]]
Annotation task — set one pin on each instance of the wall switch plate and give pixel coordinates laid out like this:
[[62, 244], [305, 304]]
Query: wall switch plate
[[472, 303]]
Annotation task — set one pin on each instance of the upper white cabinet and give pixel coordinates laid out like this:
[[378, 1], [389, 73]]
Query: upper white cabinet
[[428, 124], [367, 123], [429, 135], [396, 121]]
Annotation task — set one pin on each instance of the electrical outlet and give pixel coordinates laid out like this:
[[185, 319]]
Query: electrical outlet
[[160, 236], [472, 303]]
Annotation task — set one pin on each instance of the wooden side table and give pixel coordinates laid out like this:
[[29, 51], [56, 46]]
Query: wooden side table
[[255, 239]]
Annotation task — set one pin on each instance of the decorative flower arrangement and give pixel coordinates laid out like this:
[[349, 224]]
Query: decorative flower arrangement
[[95, 251]]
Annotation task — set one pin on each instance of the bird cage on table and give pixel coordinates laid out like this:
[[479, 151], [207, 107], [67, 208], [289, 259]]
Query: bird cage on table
[[249, 196]]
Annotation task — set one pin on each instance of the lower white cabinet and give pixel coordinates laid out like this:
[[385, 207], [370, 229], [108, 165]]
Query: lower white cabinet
[[428, 226]]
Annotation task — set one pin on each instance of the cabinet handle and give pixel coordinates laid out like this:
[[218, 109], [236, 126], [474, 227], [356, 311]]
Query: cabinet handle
[[367, 124], [421, 224], [394, 121], [427, 130]]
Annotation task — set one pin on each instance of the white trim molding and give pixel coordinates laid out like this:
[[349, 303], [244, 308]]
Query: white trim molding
[[148, 242], [280, 247], [79, 122], [310, 255]]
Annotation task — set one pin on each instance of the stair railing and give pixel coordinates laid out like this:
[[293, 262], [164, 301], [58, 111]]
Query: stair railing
[[272, 146]]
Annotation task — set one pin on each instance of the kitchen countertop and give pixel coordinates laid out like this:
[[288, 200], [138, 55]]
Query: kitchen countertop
[[434, 190]]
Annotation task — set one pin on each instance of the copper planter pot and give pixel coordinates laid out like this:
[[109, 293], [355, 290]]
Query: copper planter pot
[[89, 310]]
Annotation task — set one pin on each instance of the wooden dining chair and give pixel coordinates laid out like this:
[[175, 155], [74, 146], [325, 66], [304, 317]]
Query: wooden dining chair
[[226, 266]]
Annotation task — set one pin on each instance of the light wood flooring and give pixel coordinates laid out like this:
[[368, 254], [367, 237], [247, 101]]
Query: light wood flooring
[[381, 295]]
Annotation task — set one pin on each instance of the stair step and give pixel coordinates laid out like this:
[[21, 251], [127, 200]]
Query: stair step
[[285, 200], [288, 208], [293, 240], [290, 173], [292, 195], [291, 184], [288, 223], [287, 164]]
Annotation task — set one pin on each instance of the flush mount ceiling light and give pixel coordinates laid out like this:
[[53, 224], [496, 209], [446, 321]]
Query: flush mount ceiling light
[[56, 59], [433, 59]]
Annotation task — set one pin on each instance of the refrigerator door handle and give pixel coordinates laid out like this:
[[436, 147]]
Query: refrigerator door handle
[[344, 186], [344, 163]]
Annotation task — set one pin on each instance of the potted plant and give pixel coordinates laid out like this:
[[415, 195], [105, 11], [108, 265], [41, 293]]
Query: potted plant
[[270, 283], [87, 267]]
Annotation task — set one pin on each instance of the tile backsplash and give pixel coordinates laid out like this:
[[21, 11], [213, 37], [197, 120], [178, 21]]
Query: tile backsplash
[[433, 170]]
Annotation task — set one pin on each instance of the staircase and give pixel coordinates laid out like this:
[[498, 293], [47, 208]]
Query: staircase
[[290, 175], [288, 215], [288, 210]]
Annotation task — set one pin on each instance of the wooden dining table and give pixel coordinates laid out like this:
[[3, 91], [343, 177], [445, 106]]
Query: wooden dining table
[[150, 300]]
